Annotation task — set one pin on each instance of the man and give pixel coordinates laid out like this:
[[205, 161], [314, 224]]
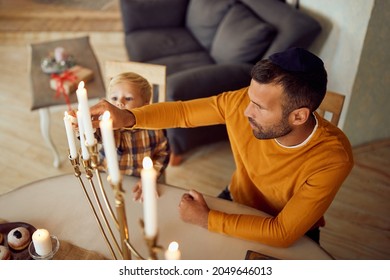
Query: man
[[290, 162]]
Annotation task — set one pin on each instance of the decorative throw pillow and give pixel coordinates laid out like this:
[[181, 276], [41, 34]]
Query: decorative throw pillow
[[241, 37], [203, 18]]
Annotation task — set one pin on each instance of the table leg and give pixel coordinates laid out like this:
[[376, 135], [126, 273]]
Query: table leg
[[45, 130]]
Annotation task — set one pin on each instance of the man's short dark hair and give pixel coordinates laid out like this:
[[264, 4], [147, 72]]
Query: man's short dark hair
[[303, 78]]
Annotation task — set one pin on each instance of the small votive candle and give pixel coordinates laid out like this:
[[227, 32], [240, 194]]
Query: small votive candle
[[173, 252], [42, 242]]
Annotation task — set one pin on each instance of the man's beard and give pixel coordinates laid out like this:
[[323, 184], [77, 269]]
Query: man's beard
[[281, 129]]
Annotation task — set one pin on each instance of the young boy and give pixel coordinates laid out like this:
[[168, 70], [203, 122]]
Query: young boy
[[128, 91]]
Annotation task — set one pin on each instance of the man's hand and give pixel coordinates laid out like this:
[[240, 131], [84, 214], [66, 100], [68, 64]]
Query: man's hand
[[193, 209], [120, 118]]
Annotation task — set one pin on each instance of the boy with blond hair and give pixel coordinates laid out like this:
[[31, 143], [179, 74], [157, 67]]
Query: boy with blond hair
[[128, 91]]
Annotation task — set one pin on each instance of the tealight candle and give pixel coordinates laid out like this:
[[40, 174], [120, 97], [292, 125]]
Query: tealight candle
[[109, 147], [85, 114], [42, 242], [173, 252], [148, 181], [70, 136]]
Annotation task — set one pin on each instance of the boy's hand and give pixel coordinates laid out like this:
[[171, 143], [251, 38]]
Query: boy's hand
[[72, 113]]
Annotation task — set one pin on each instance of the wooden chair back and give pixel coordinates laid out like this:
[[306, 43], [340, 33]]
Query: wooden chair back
[[155, 74], [331, 107]]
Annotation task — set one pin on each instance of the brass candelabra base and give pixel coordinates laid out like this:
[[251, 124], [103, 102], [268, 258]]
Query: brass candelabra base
[[122, 248]]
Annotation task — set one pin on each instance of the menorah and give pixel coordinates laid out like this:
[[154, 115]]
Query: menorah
[[122, 248], [97, 198]]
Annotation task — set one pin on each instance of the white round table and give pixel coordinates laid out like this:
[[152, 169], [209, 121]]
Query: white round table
[[59, 205]]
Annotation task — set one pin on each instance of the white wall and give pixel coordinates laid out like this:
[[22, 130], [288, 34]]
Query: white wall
[[340, 44]]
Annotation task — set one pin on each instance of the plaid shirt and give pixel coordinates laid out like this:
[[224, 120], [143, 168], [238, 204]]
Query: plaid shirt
[[133, 146]]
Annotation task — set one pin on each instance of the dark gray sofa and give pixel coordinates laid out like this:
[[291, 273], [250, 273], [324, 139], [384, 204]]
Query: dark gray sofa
[[210, 46]]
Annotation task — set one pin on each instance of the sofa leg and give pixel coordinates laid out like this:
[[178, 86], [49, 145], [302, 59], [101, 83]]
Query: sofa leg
[[175, 159]]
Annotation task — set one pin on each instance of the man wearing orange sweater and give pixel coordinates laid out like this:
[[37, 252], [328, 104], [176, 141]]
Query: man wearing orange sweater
[[290, 162]]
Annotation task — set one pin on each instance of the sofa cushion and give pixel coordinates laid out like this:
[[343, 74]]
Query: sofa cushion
[[154, 43], [180, 62], [207, 80], [244, 42], [143, 14], [203, 18]]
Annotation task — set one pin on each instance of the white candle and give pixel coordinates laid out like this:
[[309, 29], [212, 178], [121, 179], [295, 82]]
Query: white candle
[[59, 54], [42, 242], [86, 115], [84, 150], [70, 136], [173, 252], [109, 147], [149, 193]]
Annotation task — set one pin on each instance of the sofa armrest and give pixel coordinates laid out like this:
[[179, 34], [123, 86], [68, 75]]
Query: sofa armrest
[[143, 14], [207, 80]]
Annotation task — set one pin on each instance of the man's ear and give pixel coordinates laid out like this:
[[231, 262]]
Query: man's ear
[[299, 116]]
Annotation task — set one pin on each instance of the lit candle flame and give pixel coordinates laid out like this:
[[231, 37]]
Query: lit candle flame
[[173, 252], [106, 116], [81, 85], [147, 163], [173, 246]]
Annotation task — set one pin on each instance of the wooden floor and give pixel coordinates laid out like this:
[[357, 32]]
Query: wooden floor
[[358, 221]]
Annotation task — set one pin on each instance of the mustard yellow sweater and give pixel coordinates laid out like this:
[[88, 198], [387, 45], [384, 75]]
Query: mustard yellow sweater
[[295, 185]]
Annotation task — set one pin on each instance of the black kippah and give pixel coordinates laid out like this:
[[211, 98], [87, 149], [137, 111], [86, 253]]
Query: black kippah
[[297, 60]]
